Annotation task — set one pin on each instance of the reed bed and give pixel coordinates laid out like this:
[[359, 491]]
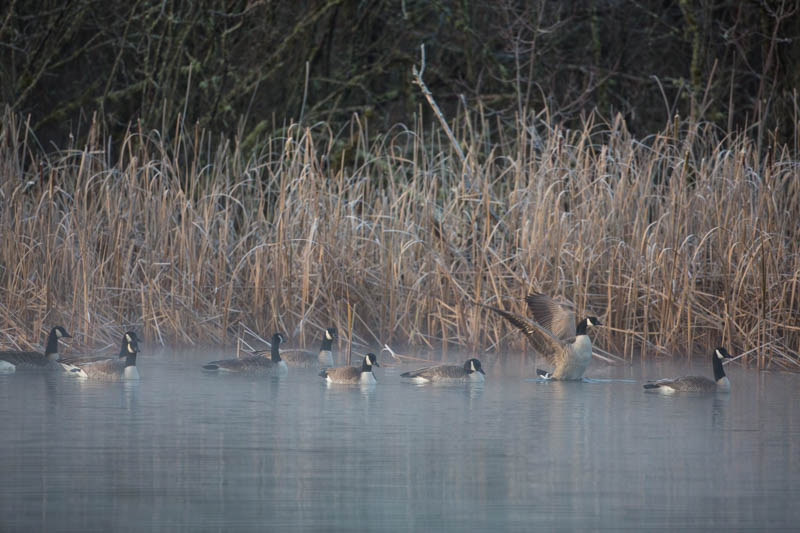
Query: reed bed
[[679, 242]]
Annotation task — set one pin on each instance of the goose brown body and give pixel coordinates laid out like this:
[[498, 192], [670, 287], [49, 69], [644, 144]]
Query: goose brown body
[[352, 375], [702, 384], [253, 364], [121, 367], [37, 360], [307, 359], [470, 371]]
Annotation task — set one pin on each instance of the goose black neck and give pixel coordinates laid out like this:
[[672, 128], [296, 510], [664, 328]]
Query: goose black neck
[[326, 344], [275, 351], [581, 328], [130, 359], [719, 371], [365, 367], [52, 343]]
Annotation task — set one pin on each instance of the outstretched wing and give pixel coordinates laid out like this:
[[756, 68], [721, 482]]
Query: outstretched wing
[[554, 316], [541, 339]]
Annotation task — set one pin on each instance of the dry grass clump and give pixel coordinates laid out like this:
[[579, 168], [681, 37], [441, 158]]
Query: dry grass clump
[[680, 241]]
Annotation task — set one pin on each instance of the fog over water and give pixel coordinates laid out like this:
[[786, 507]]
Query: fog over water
[[183, 450]]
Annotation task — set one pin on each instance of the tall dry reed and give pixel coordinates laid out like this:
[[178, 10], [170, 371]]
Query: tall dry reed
[[681, 241]]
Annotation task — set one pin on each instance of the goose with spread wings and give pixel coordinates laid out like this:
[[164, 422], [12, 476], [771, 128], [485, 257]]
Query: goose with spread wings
[[554, 334]]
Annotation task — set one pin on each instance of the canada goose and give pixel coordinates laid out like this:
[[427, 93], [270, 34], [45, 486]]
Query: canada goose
[[38, 361], [696, 383], [553, 334], [254, 364], [470, 371], [74, 360], [352, 374], [122, 367], [306, 359], [7, 368]]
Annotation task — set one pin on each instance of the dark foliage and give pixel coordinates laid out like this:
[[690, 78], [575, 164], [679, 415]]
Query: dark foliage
[[252, 64]]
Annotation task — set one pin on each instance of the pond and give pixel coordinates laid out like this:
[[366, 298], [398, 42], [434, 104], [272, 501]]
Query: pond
[[183, 450]]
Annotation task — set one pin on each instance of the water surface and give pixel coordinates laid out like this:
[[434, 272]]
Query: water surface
[[185, 451]]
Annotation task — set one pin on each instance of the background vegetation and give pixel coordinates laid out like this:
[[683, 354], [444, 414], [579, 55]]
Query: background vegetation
[[183, 168], [680, 243], [250, 64]]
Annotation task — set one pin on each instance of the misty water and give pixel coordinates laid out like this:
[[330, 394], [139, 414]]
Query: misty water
[[182, 450]]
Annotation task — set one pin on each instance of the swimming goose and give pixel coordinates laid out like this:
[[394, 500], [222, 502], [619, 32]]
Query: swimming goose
[[554, 335], [7, 368], [73, 360], [696, 383], [352, 374], [470, 372], [122, 367], [254, 364], [35, 360], [306, 359]]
